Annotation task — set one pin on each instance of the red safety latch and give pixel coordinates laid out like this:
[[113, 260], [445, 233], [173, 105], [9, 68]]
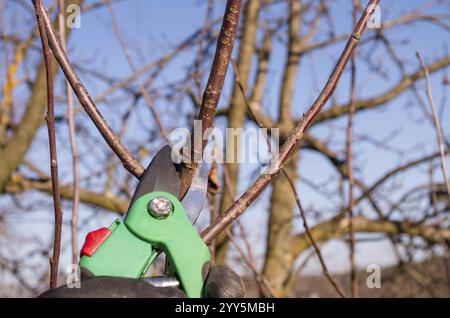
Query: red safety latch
[[94, 240]]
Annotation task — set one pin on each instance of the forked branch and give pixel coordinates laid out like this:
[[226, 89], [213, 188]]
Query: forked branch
[[296, 135]]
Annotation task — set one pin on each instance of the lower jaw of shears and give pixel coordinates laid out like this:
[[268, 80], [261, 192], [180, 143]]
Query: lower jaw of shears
[[163, 281]]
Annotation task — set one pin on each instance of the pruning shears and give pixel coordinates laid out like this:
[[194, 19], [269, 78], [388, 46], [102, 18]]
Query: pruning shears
[[156, 221]]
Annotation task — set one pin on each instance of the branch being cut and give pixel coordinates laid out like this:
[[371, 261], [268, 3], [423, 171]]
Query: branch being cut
[[296, 136], [128, 161], [211, 95]]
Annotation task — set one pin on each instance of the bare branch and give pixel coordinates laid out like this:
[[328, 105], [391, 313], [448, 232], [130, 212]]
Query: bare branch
[[338, 226], [16, 146], [365, 104], [316, 247], [437, 125], [104, 201], [128, 161], [134, 71], [211, 95], [294, 138], [263, 284], [50, 118], [351, 181]]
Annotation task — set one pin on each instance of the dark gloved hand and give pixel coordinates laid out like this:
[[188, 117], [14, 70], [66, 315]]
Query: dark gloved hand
[[221, 282]]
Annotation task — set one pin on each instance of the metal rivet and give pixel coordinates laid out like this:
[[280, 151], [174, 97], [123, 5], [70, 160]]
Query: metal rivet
[[160, 207]]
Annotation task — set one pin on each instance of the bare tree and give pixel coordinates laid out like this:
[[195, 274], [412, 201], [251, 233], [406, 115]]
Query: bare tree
[[284, 51]]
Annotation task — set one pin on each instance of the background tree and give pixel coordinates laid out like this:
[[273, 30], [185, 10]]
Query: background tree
[[147, 81]]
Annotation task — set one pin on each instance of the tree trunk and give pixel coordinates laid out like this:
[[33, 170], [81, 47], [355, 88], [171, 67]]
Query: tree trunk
[[279, 258]]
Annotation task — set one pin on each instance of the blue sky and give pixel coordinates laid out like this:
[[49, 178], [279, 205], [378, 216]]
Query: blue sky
[[153, 28]]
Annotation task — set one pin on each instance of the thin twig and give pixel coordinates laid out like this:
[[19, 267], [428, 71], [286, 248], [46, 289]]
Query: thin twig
[[129, 162], [50, 118], [229, 192], [316, 247], [126, 52], [73, 145], [437, 125], [351, 181], [264, 286], [441, 146], [296, 136], [241, 87]]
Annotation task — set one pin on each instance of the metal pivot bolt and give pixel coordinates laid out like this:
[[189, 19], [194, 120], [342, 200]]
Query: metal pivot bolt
[[160, 207]]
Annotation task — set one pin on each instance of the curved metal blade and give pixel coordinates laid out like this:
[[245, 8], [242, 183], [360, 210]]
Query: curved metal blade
[[194, 199], [160, 175]]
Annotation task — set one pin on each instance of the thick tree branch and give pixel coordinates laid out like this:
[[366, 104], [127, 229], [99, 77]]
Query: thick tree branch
[[237, 115], [107, 202], [338, 226], [213, 90]]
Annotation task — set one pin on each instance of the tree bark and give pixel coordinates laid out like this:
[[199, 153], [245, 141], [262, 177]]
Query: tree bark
[[278, 259]]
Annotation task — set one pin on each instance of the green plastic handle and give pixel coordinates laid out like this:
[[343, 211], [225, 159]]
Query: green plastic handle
[[121, 255], [188, 255], [130, 248]]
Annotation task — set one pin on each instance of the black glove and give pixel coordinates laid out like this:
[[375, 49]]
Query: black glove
[[221, 282]]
